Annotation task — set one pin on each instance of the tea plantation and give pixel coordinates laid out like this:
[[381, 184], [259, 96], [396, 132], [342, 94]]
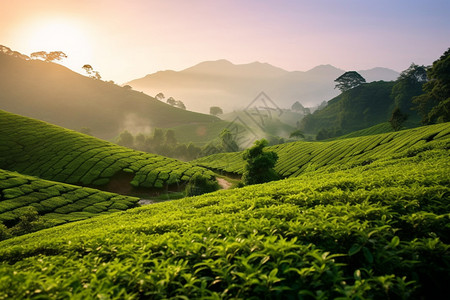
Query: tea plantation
[[299, 157], [57, 203], [378, 230], [47, 151]]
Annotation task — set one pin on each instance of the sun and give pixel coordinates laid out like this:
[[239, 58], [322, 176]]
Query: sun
[[59, 34]]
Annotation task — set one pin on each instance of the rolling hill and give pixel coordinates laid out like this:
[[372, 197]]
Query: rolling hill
[[374, 231], [221, 83], [50, 152], [358, 108], [299, 157], [55, 94]]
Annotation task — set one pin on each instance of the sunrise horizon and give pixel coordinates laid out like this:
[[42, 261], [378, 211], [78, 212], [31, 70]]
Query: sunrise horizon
[[130, 40]]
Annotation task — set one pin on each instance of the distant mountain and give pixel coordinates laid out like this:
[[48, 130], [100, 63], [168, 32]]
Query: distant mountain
[[222, 83], [53, 93]]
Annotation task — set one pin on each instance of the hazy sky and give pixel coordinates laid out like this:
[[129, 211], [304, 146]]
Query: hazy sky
[[127, 39]]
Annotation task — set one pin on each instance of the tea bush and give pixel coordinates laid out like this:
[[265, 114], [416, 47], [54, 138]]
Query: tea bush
[[368, 231], [50, 152]]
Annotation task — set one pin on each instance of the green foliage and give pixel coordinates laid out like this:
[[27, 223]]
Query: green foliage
[[358, 108], [300, 157], [349, 80], [37, 148], [408, 85], [297, 134], [259, 164], [434, 104], [29, 204], [199, 185], [397, 119], [378, 231]]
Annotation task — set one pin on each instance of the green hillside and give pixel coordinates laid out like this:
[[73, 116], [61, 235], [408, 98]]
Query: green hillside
[[358, 108], [50, 152], [376, 231], [57, 203], [299, 157], [55, 94]]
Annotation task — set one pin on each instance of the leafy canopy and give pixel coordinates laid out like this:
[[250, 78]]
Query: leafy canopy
[[260, 164], [349, 80], [434, 104]]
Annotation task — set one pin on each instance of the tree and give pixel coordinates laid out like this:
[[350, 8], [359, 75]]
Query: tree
[[397, 119], [199, 184], [126, 139], [228, 142], [55, 55], [170, 138], [349, 80], [8, 51], [297, 134], [48, 56], [215, 110], [298, 107], [91, 73], [180, 104], [171, 101], [259, 164], [408, 85], [434, 104], [160, 96]]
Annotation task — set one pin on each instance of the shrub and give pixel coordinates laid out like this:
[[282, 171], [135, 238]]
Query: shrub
[[260, 163], [199, 185]]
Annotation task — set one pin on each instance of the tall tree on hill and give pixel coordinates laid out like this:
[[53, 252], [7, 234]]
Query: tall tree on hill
[[298, 107], [215, 110], [260, 163], [349, 80], [397, 119], [160, 96], [434, 104], [408, 85], [171, 101], [91, 73]]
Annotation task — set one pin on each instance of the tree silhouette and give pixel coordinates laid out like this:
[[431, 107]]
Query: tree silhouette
[[349, 80], [397, 119], [49, 56], [215, 110]]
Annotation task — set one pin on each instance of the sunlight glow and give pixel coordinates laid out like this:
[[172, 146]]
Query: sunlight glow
[[56, 34]]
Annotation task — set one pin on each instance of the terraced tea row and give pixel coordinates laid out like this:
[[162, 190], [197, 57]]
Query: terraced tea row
[[379, 231], [58, 203], [299, 157], [37, 148]]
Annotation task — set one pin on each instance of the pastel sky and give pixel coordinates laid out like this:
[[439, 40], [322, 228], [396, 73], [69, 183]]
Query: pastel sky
[[127, 39]]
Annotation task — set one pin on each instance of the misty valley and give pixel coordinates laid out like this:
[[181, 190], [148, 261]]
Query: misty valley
[[223, 181]]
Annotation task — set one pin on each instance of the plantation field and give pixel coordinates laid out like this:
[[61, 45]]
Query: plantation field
[[374, 231], [300, 157], [50, 152], [55, 202]]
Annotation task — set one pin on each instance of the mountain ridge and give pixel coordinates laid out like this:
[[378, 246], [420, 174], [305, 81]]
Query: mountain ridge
[[232, 86]]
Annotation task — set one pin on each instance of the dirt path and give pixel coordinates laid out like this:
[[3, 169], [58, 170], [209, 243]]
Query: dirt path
[[223, 183]]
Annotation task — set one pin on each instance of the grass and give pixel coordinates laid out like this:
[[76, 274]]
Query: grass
[[373, 231]]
